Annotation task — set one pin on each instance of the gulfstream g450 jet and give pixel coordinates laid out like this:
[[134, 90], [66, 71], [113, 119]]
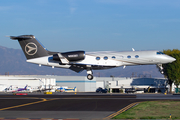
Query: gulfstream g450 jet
[[81, 60]]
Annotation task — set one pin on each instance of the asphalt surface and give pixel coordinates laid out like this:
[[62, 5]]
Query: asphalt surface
[[70, 105]]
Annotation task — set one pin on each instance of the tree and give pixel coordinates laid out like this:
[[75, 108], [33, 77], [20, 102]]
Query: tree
[[172, 70]]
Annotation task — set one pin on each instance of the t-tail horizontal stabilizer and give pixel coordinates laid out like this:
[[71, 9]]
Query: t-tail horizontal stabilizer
[[30, 46]]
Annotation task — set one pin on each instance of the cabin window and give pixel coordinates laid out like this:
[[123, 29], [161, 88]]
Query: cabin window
[[98, 58], [113, 57], [105, 58], [128, 56], [137, 56]]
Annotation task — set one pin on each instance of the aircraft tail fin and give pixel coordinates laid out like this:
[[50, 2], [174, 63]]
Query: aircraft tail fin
[[74, 89], [25, 87], [30, 46]]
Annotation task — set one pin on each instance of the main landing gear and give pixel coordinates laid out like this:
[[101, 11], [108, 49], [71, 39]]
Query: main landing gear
[[90, 74]]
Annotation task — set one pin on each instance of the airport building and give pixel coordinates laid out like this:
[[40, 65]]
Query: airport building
[[18, 81], [113, 84]]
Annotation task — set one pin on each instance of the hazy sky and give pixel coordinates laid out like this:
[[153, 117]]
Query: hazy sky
[[93, 25]]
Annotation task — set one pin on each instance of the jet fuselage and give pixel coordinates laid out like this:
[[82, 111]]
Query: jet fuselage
[[81, 60]]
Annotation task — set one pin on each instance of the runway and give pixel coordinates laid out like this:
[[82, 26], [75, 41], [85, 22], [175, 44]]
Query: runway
[[70, 105]]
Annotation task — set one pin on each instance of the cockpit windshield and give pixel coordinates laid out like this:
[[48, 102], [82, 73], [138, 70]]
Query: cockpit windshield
[[160, 53]]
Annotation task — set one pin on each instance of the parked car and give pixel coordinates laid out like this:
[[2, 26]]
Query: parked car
[[101, 90]]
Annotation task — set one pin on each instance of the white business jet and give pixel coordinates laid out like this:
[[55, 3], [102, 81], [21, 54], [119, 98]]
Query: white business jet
[[81, 60]]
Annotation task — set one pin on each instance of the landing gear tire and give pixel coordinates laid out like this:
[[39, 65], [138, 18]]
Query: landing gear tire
[[89, 77]]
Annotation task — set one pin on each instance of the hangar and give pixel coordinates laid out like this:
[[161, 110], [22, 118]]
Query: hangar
[[114, 84]]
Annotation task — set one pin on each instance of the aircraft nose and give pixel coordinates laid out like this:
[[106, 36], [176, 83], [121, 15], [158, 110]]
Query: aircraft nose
[[171, 59], [168, 59]]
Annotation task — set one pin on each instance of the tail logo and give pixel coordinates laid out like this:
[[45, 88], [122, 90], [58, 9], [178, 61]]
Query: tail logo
[[31, 48]]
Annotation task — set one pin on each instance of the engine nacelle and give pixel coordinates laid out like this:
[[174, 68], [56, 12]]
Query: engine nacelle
[[71, 56]]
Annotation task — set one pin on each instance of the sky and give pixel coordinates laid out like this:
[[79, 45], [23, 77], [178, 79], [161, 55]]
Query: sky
[[92, 25]]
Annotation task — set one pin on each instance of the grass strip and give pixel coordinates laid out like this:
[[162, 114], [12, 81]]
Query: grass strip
[[152, 110]]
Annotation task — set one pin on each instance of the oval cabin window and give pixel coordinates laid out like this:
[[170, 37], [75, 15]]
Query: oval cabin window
[[105, 58], [128, 56], [98, 58], [113, 57], [137, 56]]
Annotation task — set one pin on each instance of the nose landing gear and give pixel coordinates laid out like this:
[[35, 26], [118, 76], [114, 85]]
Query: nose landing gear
[[160, 68]]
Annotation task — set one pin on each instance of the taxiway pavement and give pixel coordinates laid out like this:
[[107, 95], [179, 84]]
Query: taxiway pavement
[[71, 105]]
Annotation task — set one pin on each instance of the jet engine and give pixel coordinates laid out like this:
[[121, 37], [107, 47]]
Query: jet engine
[[70, 56]]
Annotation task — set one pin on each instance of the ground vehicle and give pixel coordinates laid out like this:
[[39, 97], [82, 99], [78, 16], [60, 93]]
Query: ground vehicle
[[101, 90]]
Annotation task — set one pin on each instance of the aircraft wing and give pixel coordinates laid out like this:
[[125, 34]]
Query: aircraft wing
[[77, 69]]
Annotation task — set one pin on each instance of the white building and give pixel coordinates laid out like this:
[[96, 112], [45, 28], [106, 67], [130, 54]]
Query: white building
[[19, 81], [82, 83]]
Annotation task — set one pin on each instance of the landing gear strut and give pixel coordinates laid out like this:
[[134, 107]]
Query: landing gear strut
[[160, 68], [90, 74]]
